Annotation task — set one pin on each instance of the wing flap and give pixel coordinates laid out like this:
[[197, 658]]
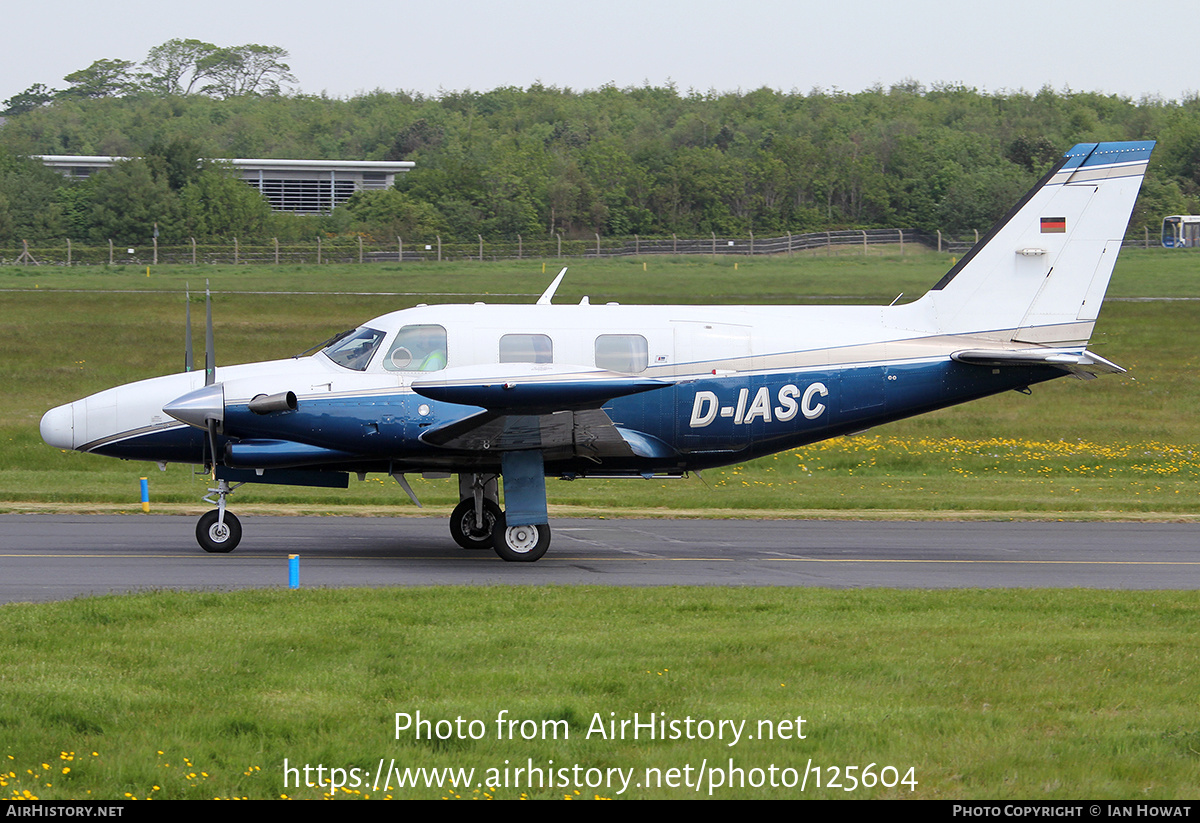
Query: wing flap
[[588, 432]]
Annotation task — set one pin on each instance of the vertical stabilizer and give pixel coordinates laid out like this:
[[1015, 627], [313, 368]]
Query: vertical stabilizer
[[1040, 274]]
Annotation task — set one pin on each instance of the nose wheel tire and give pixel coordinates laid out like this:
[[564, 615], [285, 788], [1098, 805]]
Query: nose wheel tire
[[469, 534], [216, 537], [521, 544]]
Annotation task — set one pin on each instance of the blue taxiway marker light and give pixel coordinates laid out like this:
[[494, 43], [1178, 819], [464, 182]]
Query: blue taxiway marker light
[[145, 495], [293, 571]]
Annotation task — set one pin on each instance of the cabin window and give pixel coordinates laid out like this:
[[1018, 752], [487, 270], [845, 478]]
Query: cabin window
[[417, 348], [355, 350], [526, 348], [622, 352]]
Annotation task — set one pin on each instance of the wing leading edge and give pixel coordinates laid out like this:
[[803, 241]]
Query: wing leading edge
[[539, 406]]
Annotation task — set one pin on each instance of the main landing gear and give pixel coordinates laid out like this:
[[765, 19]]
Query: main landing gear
[[478, 523], [474, 528], [219, 531], [521, 544]]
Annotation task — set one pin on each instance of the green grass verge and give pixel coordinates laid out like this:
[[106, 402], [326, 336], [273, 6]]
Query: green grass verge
[[1039, 695]]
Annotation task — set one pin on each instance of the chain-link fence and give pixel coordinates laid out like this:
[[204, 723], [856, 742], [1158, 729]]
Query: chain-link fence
[[364, 250]]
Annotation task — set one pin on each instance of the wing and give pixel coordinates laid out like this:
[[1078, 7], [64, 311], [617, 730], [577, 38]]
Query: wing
[[551, 407]]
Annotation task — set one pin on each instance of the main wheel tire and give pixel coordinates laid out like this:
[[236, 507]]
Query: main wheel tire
[[466, 532], [216, 538], [521, 544]]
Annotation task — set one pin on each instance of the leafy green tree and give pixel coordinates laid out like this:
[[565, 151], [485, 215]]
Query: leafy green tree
[[32, 98], [389, 213], [104, 78], [178, 161], [30, 191], [216, 204], [177, 66], [75, 202], [249, 69], [128, 203]]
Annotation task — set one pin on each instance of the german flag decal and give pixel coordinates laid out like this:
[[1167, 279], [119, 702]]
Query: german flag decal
[[1054, 225]]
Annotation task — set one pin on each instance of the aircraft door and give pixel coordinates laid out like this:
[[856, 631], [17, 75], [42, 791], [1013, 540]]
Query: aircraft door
[[706, 410]]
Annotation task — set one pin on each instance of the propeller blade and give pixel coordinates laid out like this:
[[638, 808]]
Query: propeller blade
[[210, 357], [187, 335], [212, 440]]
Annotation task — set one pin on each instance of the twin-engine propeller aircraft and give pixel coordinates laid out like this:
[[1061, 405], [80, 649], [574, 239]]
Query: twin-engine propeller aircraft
[[517, 393]]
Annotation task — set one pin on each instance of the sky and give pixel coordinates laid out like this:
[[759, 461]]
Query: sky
[[345, 48]]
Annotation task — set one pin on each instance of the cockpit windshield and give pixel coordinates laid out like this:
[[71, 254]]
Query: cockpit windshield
[[356, 350]]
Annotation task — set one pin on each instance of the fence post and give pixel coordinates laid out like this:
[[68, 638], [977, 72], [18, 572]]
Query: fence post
[[110, 252], [193, 251], [235, 252], [714, 242], [519, 250], [789, 244], [559, 236], [637, 246], [439, 237], [751, 242], [864, 231], [155, 239], [1144, 228], [901, 231], [939, 231], [674, 244], [318, 250], [976, 237], [597, 245], [400, 246], [276, 239], [69, 251], [828, 244], [360, 248]]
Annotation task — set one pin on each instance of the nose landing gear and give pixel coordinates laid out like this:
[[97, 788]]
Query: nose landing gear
[[219, 531]]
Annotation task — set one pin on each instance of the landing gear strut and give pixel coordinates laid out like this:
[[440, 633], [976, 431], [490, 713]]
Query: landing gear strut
[[474, 518], [219, 531]]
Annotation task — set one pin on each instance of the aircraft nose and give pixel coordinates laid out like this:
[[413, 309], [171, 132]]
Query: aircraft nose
[[58, 427]]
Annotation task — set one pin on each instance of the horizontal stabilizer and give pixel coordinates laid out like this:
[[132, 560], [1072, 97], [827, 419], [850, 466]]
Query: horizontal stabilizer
[[1076, 362], [533, 388]]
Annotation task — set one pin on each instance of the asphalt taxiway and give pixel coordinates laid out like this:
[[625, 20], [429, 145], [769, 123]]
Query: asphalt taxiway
[[53, 557]]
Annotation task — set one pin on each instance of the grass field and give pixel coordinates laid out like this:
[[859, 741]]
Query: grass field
[[1037, 695], [1121, 446]]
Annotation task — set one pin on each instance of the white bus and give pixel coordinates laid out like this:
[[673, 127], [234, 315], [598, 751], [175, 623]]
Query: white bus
[[1181, 231]]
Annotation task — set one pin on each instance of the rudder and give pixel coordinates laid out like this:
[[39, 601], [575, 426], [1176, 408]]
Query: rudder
[[1040, 274]]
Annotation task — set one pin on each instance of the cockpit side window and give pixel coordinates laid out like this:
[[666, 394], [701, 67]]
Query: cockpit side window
[[526, 348], [355, 350], [417, 348]]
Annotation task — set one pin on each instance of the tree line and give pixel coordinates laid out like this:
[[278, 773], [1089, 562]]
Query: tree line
[[541, 161]]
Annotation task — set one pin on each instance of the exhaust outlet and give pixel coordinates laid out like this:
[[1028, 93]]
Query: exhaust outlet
[[265, 404]]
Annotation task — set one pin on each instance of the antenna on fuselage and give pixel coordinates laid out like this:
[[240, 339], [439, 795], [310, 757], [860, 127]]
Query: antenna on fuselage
[[544, 300]]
